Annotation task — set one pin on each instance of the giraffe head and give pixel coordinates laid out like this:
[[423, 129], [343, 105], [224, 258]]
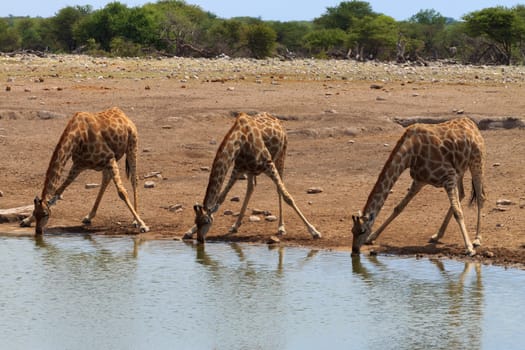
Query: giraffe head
[[203, 220], [361, 230], [41, 214]]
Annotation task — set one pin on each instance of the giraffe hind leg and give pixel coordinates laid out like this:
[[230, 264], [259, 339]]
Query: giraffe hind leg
[[113, 169], [274, 175], [441, 232], [249, 192]]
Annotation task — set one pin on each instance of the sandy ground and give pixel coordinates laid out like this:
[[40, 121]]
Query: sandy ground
[[340, 117]]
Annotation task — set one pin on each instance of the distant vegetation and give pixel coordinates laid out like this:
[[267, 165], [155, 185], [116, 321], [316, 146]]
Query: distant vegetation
[[350, 30]]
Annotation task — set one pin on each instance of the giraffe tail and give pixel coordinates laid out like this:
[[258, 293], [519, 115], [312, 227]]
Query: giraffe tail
[[478, 194], [128, 168]]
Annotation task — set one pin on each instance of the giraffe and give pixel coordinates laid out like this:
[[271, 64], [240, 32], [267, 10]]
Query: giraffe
[[254, 145], [93, 141], [439, 155]]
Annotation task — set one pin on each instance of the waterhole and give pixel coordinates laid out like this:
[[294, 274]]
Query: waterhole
[[92, 292]]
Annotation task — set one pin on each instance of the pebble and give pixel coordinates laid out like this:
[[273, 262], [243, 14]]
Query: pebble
[[235, 199], [314, 190], [254, 218], [504, 202], [273, 240], [488, 254], [228, 212], [175, 207], [1, 194], [90, 186], [205, 168], [260, 212], [271, 218], [376, 86], [149, 184]]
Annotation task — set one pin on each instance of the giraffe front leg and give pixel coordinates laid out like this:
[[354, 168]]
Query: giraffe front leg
[[249, 191], [106, 178]]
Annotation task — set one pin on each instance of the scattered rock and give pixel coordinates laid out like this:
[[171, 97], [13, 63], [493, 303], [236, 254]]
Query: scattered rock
[[1, 194], [156, 174], [380, 98], [376, 86], [271, 218], [204, 168], [331, 111], [488, 254], [496, 164], [500, 208], [314, 190], [90, 186], [8, 88], [254, 218], [273, 240], [175, 207], [504, 202], [231, 88], [235, 199], [228, 212], [15, 214], [166, 127], [260, 212], [149, 184]]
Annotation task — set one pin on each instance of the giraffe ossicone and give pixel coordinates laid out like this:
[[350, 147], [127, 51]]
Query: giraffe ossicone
[[437, 155], [93, 141], [253, 145]]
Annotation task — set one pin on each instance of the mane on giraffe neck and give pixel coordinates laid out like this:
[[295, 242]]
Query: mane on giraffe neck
[[60, 156], [397, 162], [223, 160]]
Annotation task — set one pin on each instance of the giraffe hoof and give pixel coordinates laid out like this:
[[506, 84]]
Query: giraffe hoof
[[476, 243], [470, 253], [433, 239], [86, 221], [144, 229]]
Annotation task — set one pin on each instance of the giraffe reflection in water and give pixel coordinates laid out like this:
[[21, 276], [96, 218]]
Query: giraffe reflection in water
[[450, 300]]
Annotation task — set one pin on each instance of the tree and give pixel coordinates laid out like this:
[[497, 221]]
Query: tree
[[63, 23], [9, 38], [500, 25], [345, 15], [323, 41], [427, 26], [261, 39]]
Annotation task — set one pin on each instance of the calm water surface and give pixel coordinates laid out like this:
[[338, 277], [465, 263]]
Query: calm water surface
[[76, 292]]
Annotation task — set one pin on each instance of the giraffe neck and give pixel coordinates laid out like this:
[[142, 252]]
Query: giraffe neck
[[395, 165], [226, 154], [60, 156]]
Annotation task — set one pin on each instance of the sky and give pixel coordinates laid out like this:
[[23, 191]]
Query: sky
[[280, 10]]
